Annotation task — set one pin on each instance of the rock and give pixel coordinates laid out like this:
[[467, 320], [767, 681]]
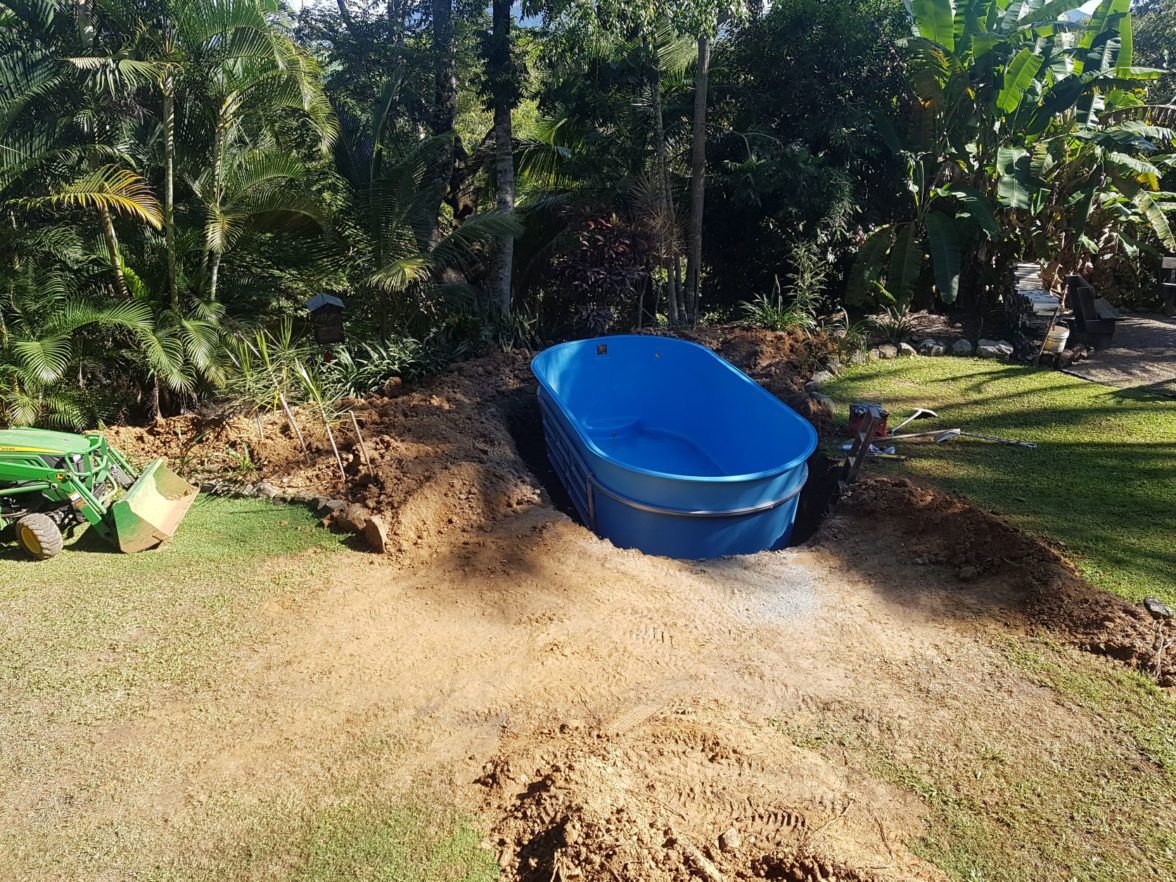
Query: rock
[[994, 349], [888, 350], [931, 346], [967, 572], [393, 387], [833, 365], [962, 347], [822, 403], [858, 357], [267, 490], [375, 534], [874, 353], [906, 350], [351, 518], [731, 840], [325, 506], [820, 378], [246, 491]]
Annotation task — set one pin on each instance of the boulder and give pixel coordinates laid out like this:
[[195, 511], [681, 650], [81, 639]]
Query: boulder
[[994, 349], [326, 506], [375, 534], [266, 489], [351, 518], [888, 350], [858, 356], [962, 347], [822, 403], [931, 346], [906, 350]]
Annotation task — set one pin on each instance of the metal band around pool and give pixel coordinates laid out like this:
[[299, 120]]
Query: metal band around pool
[[698, 513]]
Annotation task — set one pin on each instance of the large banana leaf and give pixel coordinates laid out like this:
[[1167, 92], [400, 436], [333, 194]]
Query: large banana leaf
[[867, 267], [1014, 187], [906, 263], [935, 20], [1018, 76], [944, 245]]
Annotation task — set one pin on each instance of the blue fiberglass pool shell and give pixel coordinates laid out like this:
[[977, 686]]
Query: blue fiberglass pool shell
[[665, 447]]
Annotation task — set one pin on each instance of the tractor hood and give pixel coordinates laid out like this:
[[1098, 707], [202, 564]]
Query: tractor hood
[[43, 441]]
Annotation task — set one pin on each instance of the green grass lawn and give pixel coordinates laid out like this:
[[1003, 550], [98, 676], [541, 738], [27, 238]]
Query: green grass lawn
[[1101, 483], [94, 640]]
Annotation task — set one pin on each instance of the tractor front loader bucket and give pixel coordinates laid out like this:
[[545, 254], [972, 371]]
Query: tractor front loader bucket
[[151, 510]]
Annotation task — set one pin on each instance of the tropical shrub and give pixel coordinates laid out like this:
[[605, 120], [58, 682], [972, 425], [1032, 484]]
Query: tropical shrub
[[1029, 138]]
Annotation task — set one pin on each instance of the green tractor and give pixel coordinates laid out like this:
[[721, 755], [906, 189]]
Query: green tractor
[[53, 482]]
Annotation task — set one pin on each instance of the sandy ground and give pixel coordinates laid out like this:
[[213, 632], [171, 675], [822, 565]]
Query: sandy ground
[[1142, 356], [608, 715]]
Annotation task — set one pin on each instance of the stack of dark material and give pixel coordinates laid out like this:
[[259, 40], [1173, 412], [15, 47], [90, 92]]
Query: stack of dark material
[[1029, 306], [1167, 290]]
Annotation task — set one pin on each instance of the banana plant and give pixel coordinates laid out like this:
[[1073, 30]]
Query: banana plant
[[1009, 101]]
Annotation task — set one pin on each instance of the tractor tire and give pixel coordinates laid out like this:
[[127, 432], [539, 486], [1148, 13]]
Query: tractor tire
[[39, 536]]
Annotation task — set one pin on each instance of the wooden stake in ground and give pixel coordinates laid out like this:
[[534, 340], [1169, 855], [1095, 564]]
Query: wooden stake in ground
[[367, 460]]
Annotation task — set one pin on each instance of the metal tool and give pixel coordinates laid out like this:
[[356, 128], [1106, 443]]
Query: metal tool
[[942, 435], [921, 413], [997, 440]]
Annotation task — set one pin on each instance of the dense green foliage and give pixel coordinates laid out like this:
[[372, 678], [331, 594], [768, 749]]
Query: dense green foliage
[[1030, 138], [178, 176]]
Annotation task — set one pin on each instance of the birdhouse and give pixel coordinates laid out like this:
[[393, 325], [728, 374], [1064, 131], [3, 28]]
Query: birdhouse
[[326, 316]]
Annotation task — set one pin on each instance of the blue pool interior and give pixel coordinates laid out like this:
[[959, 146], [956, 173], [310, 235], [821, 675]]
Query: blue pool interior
[[674, 408], [665, 447]]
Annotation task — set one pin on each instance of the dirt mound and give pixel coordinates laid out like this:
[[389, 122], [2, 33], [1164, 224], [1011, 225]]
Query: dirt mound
[[442, 462], [990, 557], [688, 795], [445, 468]]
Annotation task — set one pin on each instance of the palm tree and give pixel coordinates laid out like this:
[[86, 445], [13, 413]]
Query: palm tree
[[40, 326], [391, 206]]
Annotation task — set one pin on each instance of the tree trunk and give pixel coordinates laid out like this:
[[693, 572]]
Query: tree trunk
[[213, 256], [500, 72], [214, 274], [169, 178], [85, 17], [156, 410], [664, 195], [697, 181], [344, 11], [444, 106], [120, 280]]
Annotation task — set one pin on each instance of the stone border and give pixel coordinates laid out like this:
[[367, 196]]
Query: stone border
[[337, 514]]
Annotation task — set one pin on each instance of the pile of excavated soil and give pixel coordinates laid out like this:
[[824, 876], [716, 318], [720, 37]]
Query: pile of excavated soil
[[963, 545], [440, 459], [692, 794]]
